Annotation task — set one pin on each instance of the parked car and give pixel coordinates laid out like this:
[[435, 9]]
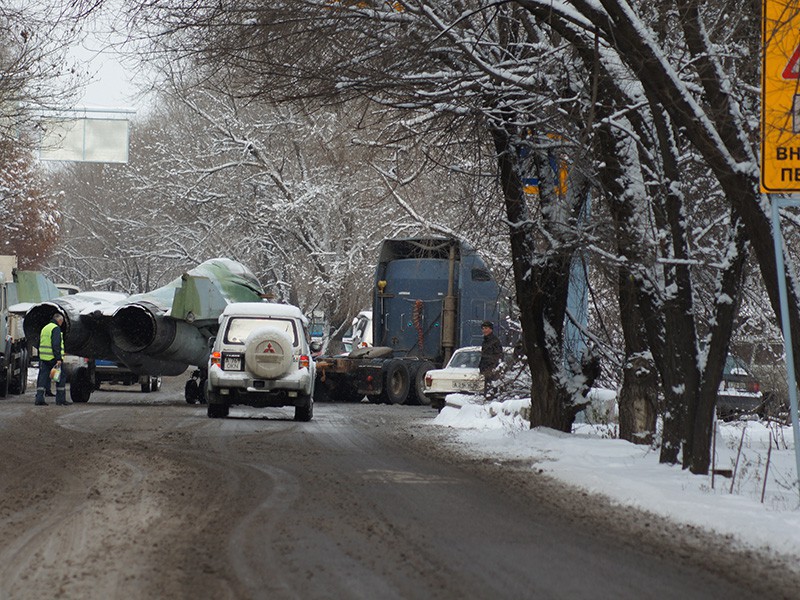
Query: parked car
[[460, 375], [360, 333], [739, 391], [261, 357], [107, 371]]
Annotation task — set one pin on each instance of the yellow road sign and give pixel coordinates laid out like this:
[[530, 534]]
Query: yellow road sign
[[780, 96]]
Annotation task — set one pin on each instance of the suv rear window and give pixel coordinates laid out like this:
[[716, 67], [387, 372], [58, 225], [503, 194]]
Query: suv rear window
[[240, 327]]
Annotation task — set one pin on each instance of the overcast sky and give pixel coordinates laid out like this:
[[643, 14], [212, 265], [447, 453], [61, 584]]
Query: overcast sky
[[110, 82]]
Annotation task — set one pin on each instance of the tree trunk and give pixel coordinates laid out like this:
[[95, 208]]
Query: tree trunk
[[541, 283], [638, 400], [722, 327], [638, 392]]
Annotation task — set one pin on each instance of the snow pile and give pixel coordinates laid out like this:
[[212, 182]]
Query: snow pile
[[592, 458]]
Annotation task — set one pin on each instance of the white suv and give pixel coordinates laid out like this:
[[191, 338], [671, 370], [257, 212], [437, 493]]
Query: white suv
[[261, 357]]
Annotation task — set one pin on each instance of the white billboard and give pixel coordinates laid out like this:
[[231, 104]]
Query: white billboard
[[85, 139]]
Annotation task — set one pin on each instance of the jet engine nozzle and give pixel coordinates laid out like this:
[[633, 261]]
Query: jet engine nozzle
[[142, 328], [138, 327], [38, 316], [83, 335]]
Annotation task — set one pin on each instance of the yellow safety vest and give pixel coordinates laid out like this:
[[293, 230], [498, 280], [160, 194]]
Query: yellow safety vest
[[46, 342]]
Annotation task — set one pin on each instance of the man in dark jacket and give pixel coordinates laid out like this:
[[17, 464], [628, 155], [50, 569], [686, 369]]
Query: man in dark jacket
[[491, 354], [51, 352]]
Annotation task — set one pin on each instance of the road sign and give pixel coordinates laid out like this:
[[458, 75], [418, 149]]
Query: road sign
[[792, 70], [780, 96]]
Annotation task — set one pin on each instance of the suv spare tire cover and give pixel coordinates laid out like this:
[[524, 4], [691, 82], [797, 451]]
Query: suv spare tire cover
[[268, 353]]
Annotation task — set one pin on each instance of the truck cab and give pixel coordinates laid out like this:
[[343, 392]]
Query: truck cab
[[430, 296]]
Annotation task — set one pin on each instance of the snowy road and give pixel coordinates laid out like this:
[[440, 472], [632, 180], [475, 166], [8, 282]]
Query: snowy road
[[142, 496]]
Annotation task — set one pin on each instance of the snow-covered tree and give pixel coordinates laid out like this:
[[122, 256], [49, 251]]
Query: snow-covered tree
[[29, 217], [635, 100], [34, 75]]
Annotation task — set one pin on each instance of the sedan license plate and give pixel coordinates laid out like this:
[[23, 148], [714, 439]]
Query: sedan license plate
[[737, 385], [232, 363], [464, 385]]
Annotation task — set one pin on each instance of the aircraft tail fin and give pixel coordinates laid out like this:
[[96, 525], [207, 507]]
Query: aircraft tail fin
[[197, 299], [31, 287]]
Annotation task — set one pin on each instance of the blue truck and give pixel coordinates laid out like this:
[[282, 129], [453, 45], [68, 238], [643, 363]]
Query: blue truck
[[429, 297]]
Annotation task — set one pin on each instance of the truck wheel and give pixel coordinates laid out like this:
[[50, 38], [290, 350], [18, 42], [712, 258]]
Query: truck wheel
[[396, 382], [155, 384], [305, 411], [80, 385], [17, 383], [146, 386], [417, 392]]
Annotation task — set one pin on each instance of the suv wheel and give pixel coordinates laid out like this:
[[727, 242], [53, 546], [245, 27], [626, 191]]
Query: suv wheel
[[304, 412], [268, 353]]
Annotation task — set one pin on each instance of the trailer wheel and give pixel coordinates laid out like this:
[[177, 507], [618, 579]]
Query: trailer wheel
[[80, 385], [396, 382], [191, 392]]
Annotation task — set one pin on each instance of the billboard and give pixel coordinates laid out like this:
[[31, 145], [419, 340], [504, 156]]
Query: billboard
[[84, 139]]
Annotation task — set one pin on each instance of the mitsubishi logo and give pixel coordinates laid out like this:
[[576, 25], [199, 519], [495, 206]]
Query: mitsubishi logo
[[269, 349]]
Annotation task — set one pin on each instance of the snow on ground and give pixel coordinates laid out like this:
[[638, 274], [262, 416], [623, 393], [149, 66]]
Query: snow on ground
[[593, 459]]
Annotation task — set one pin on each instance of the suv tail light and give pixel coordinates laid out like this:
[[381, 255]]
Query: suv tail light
[[304, 361], [216, 359]]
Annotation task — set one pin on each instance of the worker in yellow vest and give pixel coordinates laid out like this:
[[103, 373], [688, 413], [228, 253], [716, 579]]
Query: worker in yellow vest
[[51, 352]]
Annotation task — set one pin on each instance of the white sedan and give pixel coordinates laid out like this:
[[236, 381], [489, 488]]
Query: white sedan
[[459, 376]]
